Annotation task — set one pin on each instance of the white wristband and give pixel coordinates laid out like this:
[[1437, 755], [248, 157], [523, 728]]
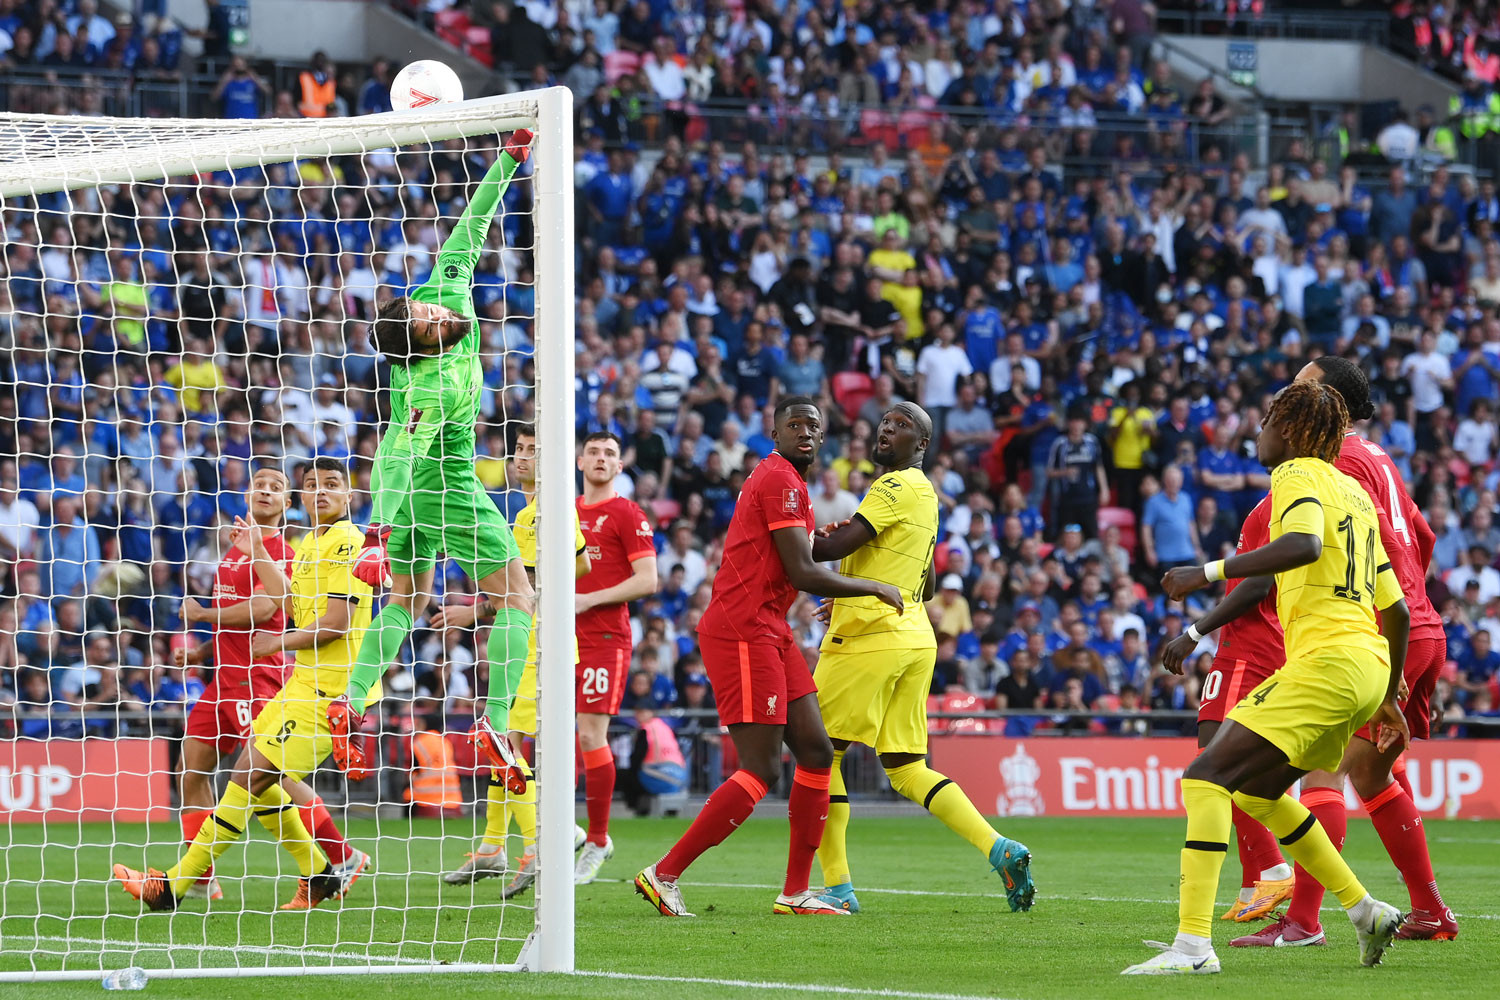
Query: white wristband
[[1193, 632], [1214, 571]]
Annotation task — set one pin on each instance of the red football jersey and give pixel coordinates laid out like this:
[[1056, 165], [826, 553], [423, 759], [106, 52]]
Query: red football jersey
[[1368, 464], [1256, 636], [751, 594], [235, 581], [617, 533]]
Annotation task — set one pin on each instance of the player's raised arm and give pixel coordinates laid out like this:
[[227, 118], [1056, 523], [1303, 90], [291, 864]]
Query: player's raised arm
[[1239, 601], [268, 571], [473, 226], [804, 573]]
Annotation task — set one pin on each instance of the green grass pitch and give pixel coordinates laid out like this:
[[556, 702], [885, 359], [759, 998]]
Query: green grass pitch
[[934, 921]]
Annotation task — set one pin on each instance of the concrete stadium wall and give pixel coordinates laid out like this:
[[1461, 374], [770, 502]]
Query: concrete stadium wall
[[1311, 70], [348, 30]]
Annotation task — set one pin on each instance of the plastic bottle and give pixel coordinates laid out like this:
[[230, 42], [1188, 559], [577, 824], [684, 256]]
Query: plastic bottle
[[125, 979]]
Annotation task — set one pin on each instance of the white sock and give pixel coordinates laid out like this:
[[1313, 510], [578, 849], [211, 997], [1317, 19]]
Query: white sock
[[1247, 893], [1192, 944], [1361, 912], [1277, 873]]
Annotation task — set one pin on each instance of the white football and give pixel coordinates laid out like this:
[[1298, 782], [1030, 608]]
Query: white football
[[424, 83]]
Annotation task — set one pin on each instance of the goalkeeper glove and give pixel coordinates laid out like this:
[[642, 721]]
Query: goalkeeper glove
[[519, 145], [373, 565]]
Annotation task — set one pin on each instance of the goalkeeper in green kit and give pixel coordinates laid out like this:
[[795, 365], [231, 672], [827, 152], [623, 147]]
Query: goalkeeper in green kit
[[427, 497]]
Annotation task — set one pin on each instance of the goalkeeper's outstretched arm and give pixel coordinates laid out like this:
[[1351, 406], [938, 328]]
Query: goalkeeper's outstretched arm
[[473, 226]]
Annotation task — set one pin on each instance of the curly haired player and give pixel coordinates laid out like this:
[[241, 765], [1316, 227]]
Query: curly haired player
[[1342, 670]]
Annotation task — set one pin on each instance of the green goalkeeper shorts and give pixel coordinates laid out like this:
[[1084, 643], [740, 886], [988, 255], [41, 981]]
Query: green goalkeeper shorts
[[448, 511]]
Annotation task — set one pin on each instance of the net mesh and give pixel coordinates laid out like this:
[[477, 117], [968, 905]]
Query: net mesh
[[186, 313]]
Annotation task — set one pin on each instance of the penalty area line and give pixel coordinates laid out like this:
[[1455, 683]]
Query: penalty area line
[[801, 988]]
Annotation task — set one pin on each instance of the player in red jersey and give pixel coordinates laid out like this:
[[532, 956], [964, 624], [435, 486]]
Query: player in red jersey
[[219, 722], [764, 689], [622, 561], [1251, 648], [1408, 541]]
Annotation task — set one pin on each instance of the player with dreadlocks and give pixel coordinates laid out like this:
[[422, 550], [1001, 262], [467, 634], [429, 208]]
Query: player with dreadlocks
[[1408, 541], [1343, 669]]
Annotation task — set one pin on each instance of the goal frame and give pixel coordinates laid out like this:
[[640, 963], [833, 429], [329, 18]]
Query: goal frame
[[60, 153]]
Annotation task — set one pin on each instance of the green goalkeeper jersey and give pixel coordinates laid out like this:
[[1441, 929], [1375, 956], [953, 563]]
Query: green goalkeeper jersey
[[435, 400]]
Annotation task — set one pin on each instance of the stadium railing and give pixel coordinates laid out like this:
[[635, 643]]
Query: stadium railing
[[1348, 26]]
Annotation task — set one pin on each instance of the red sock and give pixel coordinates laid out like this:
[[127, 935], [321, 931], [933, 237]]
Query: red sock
[[1400, 828], [1258, 848], [599, 790], [1327, 807], [729, 806], [315, 817], [1398, 771], [807, 809], [192, 822]]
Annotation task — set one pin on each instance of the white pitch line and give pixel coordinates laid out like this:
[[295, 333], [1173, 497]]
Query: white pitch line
[[752, 984], [996, 895], [112, 944]]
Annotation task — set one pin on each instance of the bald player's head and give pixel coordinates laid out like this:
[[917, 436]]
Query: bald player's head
[[903, 435]]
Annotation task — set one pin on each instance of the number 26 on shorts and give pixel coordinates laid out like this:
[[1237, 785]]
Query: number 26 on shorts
[[595, 681]]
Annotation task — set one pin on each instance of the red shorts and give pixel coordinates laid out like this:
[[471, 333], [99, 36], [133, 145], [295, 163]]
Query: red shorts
[[1424, 661], [224, 713], [602, 672], [1227, 682], [755, 681]]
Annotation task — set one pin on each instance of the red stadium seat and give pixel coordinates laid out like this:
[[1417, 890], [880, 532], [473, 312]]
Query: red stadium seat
[[618, 64], [850, 390], [477, 45], [1122, 518], [665, 510], [976, 727], [452, 25], [1449, 672], [934, 703]]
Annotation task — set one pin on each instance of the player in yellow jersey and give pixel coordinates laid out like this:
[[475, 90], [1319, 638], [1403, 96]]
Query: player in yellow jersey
[[331, 610], [489, 860], [875, 669], [1342, 670]]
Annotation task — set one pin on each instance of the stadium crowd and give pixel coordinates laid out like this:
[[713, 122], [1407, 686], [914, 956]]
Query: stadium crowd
[[1005, 212]]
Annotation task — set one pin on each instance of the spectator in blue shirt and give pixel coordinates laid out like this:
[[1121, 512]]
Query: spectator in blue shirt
[[1168, 537], [1478, 666], [68, 552], [240, 89], [608, 198]]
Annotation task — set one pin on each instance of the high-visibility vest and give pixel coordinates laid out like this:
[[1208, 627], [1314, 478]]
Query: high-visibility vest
[[661, 744], [1441, 141], [434, 772], [1473, 122], [316, 95]]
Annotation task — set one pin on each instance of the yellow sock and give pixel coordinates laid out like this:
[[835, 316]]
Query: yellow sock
[[497, 815], [938, 794], [523, 808], [224, 827], [1307, 843], [282, 820], [1208, 826], [833, 852]]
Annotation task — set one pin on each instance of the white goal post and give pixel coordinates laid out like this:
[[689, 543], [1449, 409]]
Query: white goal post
[[42, 155]]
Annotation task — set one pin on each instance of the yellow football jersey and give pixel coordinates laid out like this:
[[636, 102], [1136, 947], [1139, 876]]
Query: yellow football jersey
[[524, 532], [324, 567], [901, 509], [1332, 601]]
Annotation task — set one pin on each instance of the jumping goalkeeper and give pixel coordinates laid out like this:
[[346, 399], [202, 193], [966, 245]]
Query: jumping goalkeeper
[[427, 498]]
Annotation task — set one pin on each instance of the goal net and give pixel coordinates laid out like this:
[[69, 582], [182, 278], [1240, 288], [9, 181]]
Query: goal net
[[185, 304]]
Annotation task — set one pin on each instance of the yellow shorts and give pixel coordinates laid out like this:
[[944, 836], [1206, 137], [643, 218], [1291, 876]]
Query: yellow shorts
[[522, 717], [292, 730], [1311, 708], [876, 696]]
